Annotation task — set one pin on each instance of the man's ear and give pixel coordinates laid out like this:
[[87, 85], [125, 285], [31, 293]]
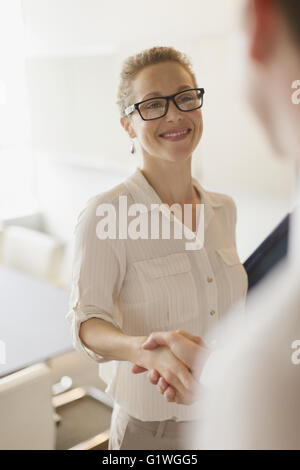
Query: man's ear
[[262, 26], [127, 125]]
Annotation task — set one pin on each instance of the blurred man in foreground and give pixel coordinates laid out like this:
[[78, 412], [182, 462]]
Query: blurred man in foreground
[[254, 383]]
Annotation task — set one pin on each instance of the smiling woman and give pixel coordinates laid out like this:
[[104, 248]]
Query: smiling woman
[[128, 287], [149, 128]]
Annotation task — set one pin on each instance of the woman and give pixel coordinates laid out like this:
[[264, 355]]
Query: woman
[[127, 287]]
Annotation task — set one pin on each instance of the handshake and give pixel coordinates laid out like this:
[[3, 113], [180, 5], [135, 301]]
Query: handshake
[[174, 360]]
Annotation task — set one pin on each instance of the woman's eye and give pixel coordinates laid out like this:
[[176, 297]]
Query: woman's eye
[[187, 98], [154, 105]]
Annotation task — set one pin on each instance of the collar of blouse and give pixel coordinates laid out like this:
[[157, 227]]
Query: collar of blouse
[[143, 192]]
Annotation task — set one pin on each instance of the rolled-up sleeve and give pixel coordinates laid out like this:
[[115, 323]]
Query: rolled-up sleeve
[[97, 274]]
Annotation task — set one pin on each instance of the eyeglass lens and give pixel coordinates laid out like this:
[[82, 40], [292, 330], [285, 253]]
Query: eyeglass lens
[[186, 101]]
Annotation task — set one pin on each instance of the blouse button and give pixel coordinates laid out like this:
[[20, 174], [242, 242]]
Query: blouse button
[[212, 312], [209, 279]]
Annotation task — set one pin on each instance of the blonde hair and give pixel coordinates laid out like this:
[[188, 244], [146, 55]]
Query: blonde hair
[[134, 64]]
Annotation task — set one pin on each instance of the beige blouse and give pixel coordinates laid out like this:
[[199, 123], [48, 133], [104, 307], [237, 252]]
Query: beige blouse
[[144, 285]]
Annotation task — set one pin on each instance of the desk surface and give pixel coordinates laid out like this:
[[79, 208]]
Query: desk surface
[[33, 326]]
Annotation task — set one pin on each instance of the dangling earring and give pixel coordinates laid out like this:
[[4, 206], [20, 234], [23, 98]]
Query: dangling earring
[[132, 149]]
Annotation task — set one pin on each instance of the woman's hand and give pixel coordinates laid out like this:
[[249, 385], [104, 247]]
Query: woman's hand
[[176, 373], [190, 349]]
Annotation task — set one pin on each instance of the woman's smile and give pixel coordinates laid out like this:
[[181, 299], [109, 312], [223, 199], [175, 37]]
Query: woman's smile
[[176, 134]]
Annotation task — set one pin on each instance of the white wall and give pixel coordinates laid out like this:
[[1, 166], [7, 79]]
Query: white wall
[[59, 26], [16, 171], [75, 49]]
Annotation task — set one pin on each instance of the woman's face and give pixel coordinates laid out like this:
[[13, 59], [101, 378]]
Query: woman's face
[[162, 80]]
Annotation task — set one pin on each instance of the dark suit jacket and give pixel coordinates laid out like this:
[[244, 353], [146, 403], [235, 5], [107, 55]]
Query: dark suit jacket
[[272, 250]]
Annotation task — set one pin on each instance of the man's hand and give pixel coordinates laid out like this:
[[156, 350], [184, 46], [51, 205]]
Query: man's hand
[[190, 349]]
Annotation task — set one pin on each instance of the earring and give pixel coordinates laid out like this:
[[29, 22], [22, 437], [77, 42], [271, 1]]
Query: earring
[[132, 149]]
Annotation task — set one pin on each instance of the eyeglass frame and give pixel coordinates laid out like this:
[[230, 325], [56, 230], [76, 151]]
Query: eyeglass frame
[[130, 109]]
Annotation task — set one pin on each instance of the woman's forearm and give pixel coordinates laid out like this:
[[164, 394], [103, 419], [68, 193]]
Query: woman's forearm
[[109, 341]]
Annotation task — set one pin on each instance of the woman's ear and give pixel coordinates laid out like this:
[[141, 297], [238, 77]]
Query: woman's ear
[[127, 125]]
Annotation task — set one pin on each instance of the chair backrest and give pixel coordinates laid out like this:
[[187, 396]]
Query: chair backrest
[[26, 410], [31, 251]]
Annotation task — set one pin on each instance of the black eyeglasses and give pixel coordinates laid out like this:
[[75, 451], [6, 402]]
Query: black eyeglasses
[[155, 108]]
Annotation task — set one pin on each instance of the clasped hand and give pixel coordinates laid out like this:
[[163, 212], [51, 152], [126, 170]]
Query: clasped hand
[[174, 362]]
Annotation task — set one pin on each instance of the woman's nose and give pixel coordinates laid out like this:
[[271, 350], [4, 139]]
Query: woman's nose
[[173, 112]]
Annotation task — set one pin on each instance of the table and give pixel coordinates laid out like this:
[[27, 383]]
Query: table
[[33, 326]]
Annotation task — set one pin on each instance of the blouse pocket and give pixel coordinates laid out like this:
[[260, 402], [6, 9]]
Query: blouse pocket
[[234, 272], [169, 290]]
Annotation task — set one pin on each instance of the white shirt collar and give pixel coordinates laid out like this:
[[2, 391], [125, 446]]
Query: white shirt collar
[[143, 192]]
